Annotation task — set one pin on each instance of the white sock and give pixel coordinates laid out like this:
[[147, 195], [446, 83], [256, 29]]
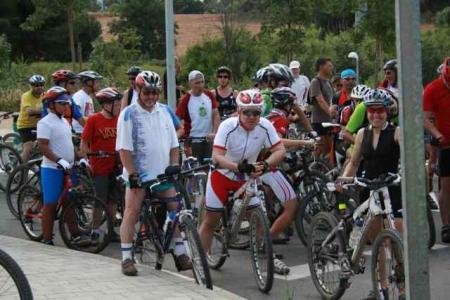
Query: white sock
[[126, 251], [179, 246]]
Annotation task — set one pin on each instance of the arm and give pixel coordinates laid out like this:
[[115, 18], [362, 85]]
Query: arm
[[277, 156], [348, 137], [220, 159], [323, 104], [397, 135], [353, 165], [174, 156], [84, 147], [46, 151], [302, 118], [124, 102], [430, 126], [82, 121], [33, 112], [127, 161], [215, 120]]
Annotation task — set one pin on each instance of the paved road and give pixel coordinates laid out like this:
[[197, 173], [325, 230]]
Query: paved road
[[236, 275]]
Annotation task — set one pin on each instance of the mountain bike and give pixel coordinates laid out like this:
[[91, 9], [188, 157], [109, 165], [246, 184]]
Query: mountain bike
[[154, 237], [261, 252], [79, 212], [335, 248], [13, 282]]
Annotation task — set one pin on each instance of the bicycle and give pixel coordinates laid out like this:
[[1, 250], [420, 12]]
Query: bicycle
[[261, 252], [332, 246], [154, 237], [10, 157], [13, 282], [79, 214]]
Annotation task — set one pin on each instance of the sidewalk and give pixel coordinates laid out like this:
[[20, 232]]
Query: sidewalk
[[59, 273]]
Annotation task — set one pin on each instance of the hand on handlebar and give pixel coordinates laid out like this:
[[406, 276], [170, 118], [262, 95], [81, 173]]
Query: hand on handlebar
[[64, 164]]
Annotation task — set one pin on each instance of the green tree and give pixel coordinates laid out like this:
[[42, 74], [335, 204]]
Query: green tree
[[5, 52]]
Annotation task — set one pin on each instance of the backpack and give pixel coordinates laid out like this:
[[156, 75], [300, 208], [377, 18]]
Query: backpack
[[311, 100]]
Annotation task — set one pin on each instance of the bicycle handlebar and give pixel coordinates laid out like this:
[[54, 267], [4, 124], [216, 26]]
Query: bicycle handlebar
[[373, 184]]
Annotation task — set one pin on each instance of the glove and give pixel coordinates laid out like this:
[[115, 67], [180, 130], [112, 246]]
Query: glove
[[245, 168], [312, 134], [134, 181], [64, 164], [84, 163], [265, 165], [172, 170]]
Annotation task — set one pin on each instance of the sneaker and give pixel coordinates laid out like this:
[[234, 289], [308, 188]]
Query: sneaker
[[48, 242], [282, 238], [128, 268], [183, 262], [279, 267], [81, 241]]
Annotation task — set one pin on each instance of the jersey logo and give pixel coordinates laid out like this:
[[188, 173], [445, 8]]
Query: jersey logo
[[108, 133]]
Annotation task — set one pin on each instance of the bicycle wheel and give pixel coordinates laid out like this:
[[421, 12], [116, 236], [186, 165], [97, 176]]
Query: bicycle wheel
[[14, 283], [85, 224], [218, 253], [196, 253], [320, 165], [30, 211], [25, 174], [431, 226], [13, 139], [325, 261], [9, 160], [261, 250], [388, 269]]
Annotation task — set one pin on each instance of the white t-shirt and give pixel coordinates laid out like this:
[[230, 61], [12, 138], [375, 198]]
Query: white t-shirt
[[149, 136], [241, 144], [86, 105], [200, 111], [59, 133], [301, 86], [134, 98]]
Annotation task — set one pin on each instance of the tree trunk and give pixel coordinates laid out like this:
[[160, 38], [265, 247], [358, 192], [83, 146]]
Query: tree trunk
[[379, 56], [70, 19]]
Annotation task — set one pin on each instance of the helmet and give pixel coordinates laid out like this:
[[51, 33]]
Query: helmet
[[251, 98], [55, 93], [89, 75], [360, 91], [445, 73], [281, 72], [223, 69], [261, 74], [63, 75], [283, 96], [134, 70], [390, 65], [108, 95], [36, 79], [149, 80], [378, 96]]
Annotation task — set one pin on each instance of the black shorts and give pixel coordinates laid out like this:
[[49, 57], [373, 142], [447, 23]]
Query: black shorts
[[444, 162], [321, 131], [395, 193], [27, 134]]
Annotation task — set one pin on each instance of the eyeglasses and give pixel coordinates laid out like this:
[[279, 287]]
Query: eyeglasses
[[350, 78], [251, 113], [376, 110], [150, 92], [223, 76]]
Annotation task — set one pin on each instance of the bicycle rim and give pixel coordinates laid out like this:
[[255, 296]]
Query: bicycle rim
[[14, 283], [9, 160], [146, 248], [261, 250], [217, 253], [30, 212]]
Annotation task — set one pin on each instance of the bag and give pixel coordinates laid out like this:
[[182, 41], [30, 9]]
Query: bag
[[310, 100]]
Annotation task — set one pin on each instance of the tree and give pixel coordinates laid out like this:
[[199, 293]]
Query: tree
[[147, 19]]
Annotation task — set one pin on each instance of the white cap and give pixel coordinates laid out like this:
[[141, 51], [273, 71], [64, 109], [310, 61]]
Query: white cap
[[196, 75], [295, 64]]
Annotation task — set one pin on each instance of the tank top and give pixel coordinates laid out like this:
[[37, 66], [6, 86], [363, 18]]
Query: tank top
[[227, 105], [385, 157]]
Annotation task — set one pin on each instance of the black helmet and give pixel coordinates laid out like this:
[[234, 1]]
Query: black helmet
[[281, 73], [283, 96], [134, 70], [261, 75], [390, 65]]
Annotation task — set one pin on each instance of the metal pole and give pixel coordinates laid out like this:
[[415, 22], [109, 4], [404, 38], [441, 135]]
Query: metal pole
[[357, 70], [407, 15], [170, 59]]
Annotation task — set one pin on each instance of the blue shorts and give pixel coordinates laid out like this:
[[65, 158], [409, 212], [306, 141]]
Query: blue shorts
[[52, 184]]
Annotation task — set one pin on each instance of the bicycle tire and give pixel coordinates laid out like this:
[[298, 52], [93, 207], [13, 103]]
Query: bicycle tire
[[328, 220], [264, 284], [431, 226], [320, 165], [13, 139], [216, 261], [29, 207], [18, 276], [83, 208], [395, 240], [200, 267], [9, 160]]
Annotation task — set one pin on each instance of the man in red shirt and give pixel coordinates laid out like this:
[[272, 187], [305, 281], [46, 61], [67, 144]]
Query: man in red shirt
[[99, 134], [436, 103]]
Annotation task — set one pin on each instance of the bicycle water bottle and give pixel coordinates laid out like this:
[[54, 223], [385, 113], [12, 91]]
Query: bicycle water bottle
[[357, 231]]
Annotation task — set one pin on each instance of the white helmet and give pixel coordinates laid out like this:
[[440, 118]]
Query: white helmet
[[360, 91], [149, 80], [36, 79], [89, 75], [250, 98]]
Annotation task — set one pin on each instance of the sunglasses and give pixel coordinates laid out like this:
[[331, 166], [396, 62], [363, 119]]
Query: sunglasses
[[378, 110], [350, 78], [251, 113], [71, 82], [37, 85], [151, 92], [223, 76]]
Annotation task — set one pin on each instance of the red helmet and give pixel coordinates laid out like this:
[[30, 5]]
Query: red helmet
[[56, 93], [108, 95], [445, 72], [63, 75]]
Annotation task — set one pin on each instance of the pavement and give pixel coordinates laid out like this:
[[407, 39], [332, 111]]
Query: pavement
[[59, 273]]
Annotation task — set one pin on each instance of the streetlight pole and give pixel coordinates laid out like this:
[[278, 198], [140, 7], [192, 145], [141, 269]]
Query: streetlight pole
[[355, 56], [170, 57]]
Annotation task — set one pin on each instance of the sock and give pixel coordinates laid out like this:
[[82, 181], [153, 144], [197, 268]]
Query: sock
[[126, 251], [179, 246]]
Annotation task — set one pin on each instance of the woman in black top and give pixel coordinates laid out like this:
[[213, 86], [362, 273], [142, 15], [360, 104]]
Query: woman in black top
[[225, 95]]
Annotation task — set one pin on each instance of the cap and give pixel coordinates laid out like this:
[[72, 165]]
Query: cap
[[295, 64], [196, 75], [348, 73]]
